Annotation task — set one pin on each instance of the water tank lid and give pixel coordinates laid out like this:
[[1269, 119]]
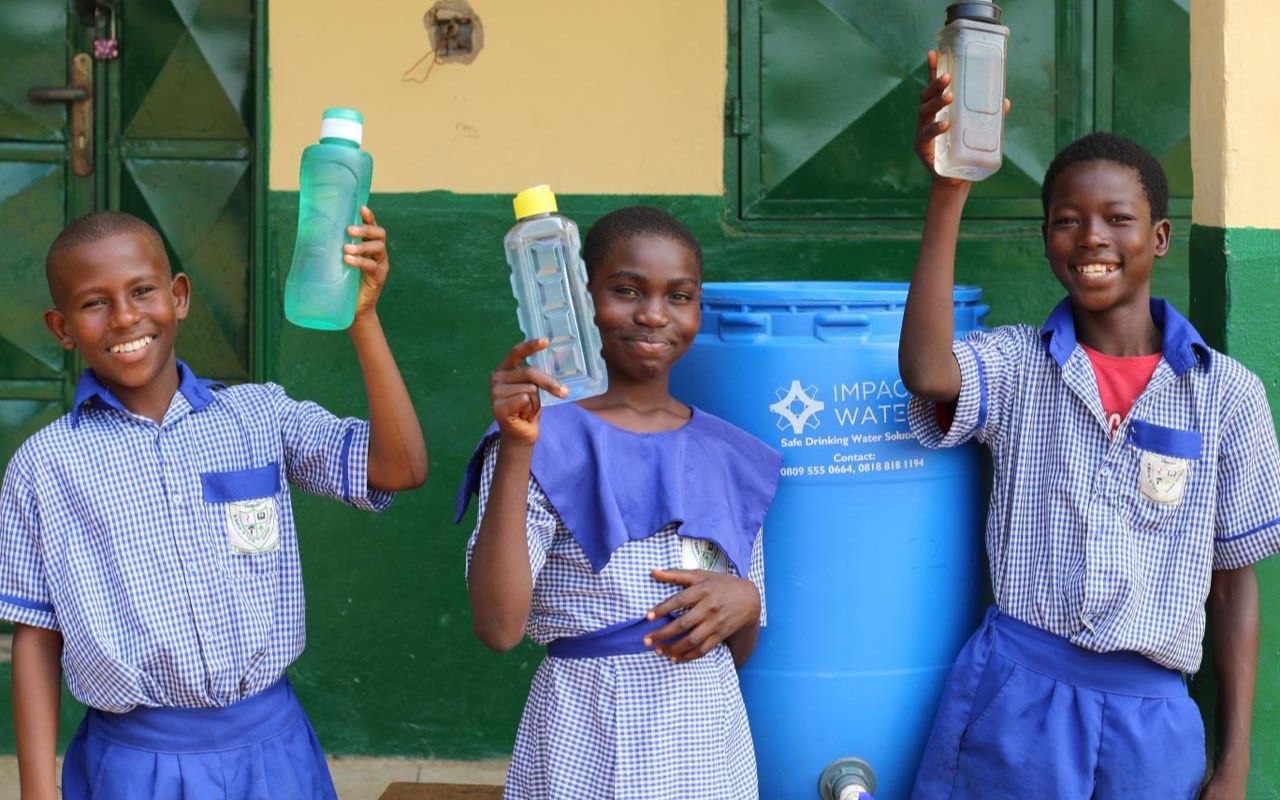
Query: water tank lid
[[818, 293]]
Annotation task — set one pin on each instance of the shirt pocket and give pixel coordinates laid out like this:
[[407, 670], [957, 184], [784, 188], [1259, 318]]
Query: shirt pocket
[[245, 508], [1165, 461]]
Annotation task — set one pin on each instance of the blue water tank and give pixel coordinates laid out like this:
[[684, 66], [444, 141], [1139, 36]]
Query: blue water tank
[[873, 548]]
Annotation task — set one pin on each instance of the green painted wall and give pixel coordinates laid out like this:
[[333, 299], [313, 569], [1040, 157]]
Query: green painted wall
[[1234, 284], [391, 665], [1235, 280]]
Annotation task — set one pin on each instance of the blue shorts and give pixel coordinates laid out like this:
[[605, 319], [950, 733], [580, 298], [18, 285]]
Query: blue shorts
[[1027, 714], [262, 746]]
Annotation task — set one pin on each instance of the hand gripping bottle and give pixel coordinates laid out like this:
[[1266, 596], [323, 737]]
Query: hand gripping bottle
[[321, 289], [971, 47], [552, 301]]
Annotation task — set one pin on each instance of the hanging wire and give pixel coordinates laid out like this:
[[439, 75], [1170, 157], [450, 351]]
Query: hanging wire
[[407, 75]]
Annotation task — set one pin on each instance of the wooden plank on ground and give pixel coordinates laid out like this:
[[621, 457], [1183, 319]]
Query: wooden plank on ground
[[441, 791]]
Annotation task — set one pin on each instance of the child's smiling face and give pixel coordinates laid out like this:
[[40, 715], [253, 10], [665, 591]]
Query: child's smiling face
[[1099, 237], [119, 307], [646, 296]]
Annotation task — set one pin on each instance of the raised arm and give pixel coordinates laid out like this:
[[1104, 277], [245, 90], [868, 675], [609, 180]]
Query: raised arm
[[397, 450], [37, 686], [500, 580], [928, 368]]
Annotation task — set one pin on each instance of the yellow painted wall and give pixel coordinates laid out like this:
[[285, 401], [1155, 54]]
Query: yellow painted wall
[[591, 96], [1235, 151]]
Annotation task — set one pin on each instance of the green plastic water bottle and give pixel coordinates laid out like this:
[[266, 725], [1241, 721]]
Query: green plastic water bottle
[[336, 174]]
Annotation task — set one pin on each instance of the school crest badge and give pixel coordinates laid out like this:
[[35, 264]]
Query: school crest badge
[[253, 526], [1163, 479]]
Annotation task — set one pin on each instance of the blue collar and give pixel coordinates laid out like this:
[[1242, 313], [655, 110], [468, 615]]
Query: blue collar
[[1181, 343], [89, 390], [610, 486]]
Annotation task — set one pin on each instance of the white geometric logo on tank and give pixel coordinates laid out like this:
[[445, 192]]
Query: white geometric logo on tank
[[797, 407]]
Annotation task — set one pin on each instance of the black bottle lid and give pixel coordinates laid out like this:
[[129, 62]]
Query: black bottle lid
[[979, 11]]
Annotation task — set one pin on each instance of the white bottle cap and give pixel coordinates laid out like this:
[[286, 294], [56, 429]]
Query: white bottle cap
[[342, 123]]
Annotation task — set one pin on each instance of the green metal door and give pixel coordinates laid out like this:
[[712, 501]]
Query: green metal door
[[172, 140], [39, 192]]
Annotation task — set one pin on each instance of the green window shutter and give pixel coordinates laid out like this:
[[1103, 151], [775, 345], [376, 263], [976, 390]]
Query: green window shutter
[[826, 93]]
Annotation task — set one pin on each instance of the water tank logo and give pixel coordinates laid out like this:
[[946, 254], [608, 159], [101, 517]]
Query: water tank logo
[[797, 407]]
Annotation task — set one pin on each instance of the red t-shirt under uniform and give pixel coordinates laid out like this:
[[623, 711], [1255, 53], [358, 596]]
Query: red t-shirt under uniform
[[1120, 380]]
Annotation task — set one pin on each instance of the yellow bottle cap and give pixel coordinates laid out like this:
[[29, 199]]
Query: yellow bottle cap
[[535, 200]]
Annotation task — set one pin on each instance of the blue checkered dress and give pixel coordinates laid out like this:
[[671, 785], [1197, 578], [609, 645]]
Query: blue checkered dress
[[114, 530], [1111, 542], [630, 726]]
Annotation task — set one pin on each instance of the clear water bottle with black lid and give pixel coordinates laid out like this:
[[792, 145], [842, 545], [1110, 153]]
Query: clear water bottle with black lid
[[972, 49]]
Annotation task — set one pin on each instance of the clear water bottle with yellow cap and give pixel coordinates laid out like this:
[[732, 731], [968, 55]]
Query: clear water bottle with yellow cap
[[336, 174], [552, 301]]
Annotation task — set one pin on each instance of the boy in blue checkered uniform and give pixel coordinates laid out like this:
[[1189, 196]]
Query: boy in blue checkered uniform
[[147, 543], [1135, 481]]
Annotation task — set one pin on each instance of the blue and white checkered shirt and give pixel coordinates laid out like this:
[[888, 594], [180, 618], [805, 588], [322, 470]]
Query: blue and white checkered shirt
[[628, 727], [1111, 542], [166, 553]]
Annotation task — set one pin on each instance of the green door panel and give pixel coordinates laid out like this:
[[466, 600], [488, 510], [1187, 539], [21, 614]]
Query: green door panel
[[835, 86], [20, 418], [33, 367], [208, 235], [34, 52], [184, 130], [186, 69], [1151, 86], [32, 202]]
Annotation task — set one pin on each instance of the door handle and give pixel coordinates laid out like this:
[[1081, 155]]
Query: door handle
[[80, 97], [65, 94]]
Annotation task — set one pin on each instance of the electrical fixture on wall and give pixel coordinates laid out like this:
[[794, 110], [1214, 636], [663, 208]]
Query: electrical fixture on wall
[[454, 34]]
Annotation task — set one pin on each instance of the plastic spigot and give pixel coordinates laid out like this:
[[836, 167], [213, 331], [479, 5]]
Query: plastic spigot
[[847, 778]]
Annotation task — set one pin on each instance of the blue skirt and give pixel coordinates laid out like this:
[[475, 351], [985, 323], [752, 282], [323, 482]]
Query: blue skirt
[[261, 747]]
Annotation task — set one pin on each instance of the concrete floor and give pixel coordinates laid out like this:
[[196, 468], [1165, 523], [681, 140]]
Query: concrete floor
[[355, 778]]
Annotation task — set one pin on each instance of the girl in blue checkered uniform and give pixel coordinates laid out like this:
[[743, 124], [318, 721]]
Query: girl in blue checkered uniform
[[622, 532]]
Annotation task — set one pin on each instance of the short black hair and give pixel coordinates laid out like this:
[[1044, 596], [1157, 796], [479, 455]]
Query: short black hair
[[1126, 152], [94, 227], [617, 226]]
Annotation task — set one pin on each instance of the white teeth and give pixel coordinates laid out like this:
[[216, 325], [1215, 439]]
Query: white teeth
[[129, 347], [1095, 269]]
